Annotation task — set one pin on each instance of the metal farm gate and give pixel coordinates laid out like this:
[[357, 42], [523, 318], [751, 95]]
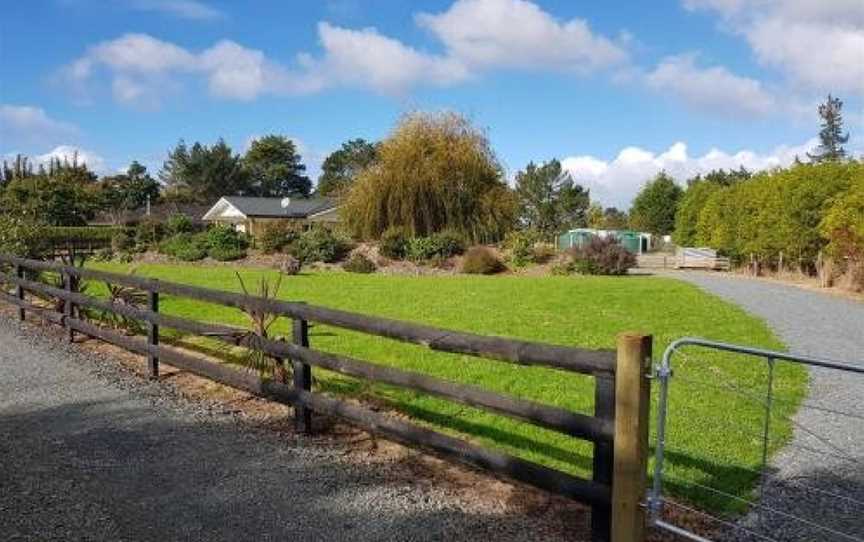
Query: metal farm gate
[[779, 456]]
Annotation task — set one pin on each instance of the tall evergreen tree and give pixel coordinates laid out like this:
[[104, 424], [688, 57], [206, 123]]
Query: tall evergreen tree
[[132, 190], [831, 138], [550, 200], [204, 174], [341, 167], [655, 206], [275, 169]]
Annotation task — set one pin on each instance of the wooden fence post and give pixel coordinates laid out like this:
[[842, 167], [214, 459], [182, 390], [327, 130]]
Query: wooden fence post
[[302, 377], [604, 408], [153, 334], [68, 307], [19, 291], [632, 408]]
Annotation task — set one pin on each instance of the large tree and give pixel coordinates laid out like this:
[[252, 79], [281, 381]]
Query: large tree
[[549, 199], [63, 194], [275, 168], [203, 174], [342, 166], [129, 191], [434, 172], [655, 206], [831, 138]]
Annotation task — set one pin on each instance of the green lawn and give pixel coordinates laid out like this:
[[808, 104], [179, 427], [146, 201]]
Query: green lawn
[[579, 311]]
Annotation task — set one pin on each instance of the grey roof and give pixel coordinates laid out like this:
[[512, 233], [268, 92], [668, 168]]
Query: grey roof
[[272, 207]]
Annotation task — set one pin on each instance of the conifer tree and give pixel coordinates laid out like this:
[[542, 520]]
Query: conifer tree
[[831, 138]]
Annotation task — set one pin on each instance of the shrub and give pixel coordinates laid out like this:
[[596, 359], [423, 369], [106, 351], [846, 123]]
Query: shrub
[[394, 243], [276, 236], [185, 246], [104, 255], [358, 263], [481, 260], [602, 256], [226, 253], [149, 232], [122, 241], [520, 247], [20, 237], [224, 243], [179, 223], [319, 244], [289, 265], [436, 246]]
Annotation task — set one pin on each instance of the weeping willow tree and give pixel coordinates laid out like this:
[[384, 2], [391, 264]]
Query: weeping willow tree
[[434, 172]]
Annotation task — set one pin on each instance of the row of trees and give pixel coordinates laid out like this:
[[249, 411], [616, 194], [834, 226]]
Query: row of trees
[[271, 167], [795, 212], [66, 192]]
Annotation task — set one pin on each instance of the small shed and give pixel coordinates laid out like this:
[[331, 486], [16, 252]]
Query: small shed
[[634, 241]]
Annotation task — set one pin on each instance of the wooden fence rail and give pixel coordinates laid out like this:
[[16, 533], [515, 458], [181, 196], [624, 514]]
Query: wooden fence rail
[[616, 428]]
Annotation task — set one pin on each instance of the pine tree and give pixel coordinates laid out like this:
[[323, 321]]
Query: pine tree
[[831, 138]]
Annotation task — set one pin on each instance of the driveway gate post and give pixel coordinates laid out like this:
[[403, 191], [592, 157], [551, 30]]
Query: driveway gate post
[[632, 408]]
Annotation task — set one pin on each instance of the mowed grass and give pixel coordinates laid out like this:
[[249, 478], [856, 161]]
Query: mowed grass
[[712, 432]]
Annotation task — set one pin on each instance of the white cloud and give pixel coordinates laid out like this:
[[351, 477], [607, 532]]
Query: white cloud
[[818, 45], [818, 55], [185, 9], [615, 182], [713, 89], [477, 35], [24, 125], [142, 68], [368, 59], [518, 34], [69, 152]]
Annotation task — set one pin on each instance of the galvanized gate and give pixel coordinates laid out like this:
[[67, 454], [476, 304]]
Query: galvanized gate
[[805, 473]]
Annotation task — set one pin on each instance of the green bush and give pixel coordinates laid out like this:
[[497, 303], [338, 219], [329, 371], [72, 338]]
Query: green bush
[[226, 253], [358, 263], [481, 260], [179, 223], [22, 238], [104, 255], [122, 241], [319, 244], [185, 246], [276, 236], [394, 243], [149, 232], [437, 246], [224, 243], [601, 256], [520, 247]]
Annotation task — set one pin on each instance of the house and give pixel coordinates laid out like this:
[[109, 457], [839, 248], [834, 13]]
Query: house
[[634, 241], [252, 215]]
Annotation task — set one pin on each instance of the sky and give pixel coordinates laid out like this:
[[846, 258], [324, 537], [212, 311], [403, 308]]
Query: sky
[[616, 90]]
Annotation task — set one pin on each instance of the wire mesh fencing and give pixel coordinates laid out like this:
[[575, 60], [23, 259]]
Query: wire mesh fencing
[[778, 454]]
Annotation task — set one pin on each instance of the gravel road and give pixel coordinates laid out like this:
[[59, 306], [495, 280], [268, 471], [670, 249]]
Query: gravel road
[[820, 476], [90, 452]]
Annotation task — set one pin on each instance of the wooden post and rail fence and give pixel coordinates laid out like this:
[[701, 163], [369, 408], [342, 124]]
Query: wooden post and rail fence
[[618, 428]]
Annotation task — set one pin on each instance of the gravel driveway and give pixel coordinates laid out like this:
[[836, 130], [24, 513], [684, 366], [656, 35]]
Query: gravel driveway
[[88, 451], [820, 475]]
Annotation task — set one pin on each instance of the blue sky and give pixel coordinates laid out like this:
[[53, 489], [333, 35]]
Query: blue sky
[[616, 90]]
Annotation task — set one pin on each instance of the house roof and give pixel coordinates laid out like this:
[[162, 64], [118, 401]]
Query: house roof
[[273, 207]]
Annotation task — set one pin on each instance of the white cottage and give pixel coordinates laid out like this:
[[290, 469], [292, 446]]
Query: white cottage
[[251, 215]]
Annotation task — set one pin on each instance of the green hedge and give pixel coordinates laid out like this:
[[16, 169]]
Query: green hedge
[[96, 235]]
